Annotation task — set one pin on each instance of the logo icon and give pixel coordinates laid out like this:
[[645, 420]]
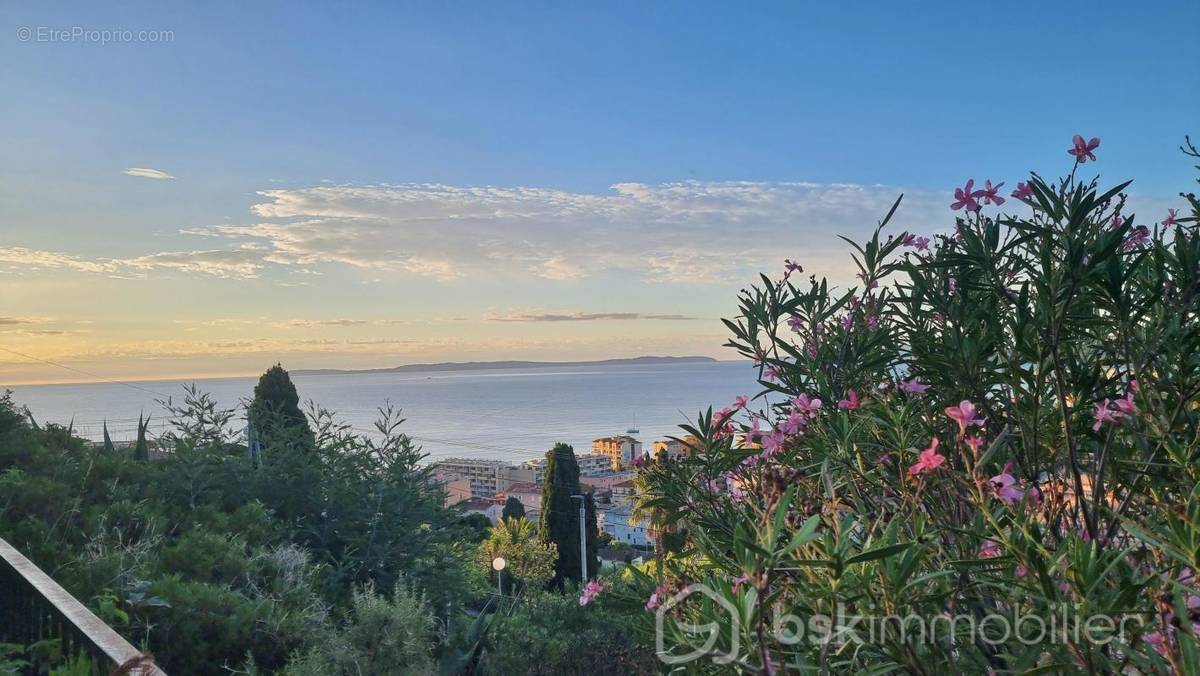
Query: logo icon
[[711, 631]]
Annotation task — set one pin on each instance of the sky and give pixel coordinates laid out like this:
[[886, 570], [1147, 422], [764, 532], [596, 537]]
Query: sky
[[209, 188]]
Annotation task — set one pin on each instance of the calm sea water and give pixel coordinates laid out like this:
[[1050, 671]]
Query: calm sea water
[[505, 414]]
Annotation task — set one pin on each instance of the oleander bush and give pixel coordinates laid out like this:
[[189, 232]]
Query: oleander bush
[[993, 432]]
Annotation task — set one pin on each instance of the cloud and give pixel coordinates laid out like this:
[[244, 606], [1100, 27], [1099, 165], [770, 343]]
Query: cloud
[[679, 233], [53, 260], [310, 323], [15, 321], [143, 172], [239, 263], [231, 263], [579, 317], [671, 232]]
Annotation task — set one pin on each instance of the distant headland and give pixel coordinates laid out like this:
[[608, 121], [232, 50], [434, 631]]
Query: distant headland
[[493, 365]]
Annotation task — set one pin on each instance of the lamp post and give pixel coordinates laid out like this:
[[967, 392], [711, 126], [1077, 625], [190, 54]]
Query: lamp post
[[582, 536], [498, 564]]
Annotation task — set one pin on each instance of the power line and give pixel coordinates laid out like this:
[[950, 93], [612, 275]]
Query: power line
[[82, 372]]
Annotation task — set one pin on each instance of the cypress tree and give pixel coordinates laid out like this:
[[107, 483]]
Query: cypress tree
[[108, 444], [141, 449], [560, 512], [276, 405], [513, 509]]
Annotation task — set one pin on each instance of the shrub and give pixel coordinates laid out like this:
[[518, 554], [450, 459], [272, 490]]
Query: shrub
[[383, 636], [1002, 422]]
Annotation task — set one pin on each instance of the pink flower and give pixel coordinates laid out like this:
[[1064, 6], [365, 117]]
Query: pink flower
[[1126, 405], [1170, 219], [847, 321], [975, 442], [1021, 571], [806, 405], [791, 266], [1116, 222], [740, 401], [914, 386], [810, 348], [965, 197], [1004, 485], [752, 434], [739, 581], [795, 323], [1101, 413], [656, 599], [1136, 238], [851, 402], [964, 415], [793, 424], [921, 243], [772, 444], [771, 373], [989, 193], [872, 321], [928, 461], [1082, 150], [722, 423], [989, 550], [1023, 192], [1158, 641], [953, 285], [908, 239], [590, 591]]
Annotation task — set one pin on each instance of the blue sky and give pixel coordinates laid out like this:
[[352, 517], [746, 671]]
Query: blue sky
[[791, 120]]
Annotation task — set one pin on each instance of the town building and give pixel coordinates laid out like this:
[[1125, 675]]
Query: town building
[[529, 493], [590, 464], [620, 450], [617, 524], [675, 448], [488, 508], [457, 490], [623, 493], [605, 481], [487, 477]]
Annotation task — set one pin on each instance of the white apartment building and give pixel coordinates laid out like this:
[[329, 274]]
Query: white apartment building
[[487, 477], [616, 523], [590, 465]]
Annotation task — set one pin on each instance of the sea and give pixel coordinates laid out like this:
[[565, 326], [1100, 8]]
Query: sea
[[506, 414]]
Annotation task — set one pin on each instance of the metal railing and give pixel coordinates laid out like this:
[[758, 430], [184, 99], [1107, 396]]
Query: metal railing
[[33, 608]]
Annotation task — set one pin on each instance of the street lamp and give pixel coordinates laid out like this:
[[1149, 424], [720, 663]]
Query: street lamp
[[498, 564]]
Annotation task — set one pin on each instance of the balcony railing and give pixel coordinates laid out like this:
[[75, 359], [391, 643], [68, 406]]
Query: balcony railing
[[34, 608]]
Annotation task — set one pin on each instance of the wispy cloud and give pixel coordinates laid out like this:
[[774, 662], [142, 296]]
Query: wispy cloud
[[310, 323], [53, 260], [672, 232], [145, 172], [680, 233], [16, 321], [580, 317], [231, 263]]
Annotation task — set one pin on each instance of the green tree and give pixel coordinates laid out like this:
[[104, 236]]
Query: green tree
[[276, 405], [513, 509], [560, 512], [528, 560]]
